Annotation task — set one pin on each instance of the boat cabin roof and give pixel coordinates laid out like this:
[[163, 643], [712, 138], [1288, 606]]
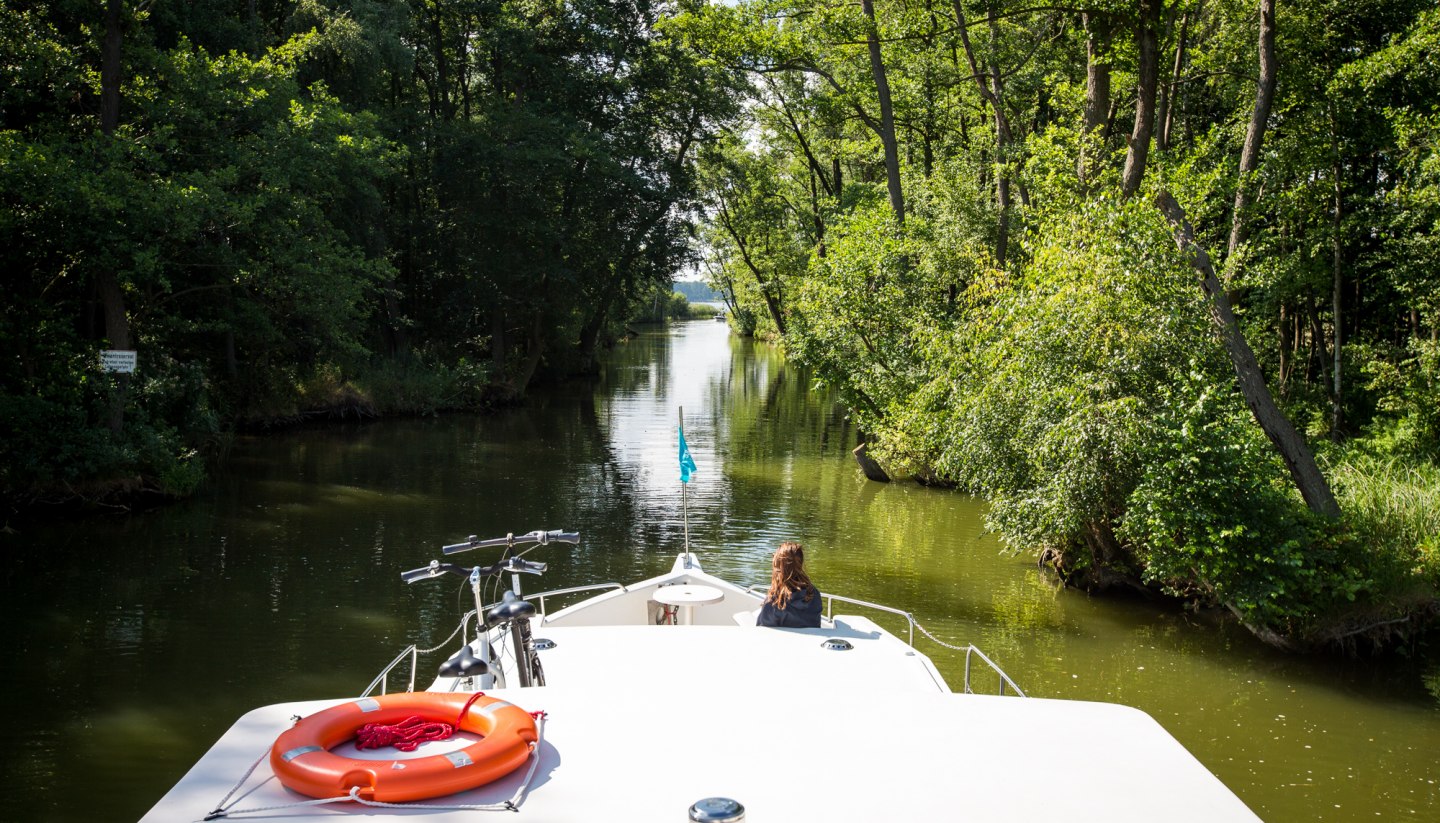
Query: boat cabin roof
[[643, 721]]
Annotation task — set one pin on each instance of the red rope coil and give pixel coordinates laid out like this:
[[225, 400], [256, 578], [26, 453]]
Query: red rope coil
[[408, 734]]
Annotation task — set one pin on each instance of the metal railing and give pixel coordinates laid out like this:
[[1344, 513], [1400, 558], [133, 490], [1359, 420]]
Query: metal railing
[[382, 679], [1004, 678], [912, 624], [573, 589], [413, 652], [759, 591]]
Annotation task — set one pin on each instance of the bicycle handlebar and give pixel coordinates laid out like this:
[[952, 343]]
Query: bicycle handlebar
[[438, 569], [432, 571], [542, 538]]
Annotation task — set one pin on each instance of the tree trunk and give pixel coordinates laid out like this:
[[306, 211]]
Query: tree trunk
[[817, 218], [498, 346], [534, 350], [110, 66], [993, 93], [1255, 134], [112, 298], [1097, 80], [1147, 41], [1167, 113], [1293, 450], [887, 114], [871, 469], [589, 345], [1336, 259], [773, 300], [1282, 374], [1318, 363], [442, 66]]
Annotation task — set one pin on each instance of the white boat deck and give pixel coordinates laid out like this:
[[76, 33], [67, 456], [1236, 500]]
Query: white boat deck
[[645, 752], [643, 720], [698, 658]]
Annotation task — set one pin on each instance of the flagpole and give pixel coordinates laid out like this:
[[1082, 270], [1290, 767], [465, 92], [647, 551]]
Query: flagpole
[[684, 504]]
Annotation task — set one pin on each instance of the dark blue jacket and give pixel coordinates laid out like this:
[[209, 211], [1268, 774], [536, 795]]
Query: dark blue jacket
[[797, 614]]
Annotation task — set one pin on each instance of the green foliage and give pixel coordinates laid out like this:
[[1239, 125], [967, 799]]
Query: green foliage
[[1394, 508], [50, 449], [684, 309], [425, 386], [1406, 387], [353, 203], [666, 305], [327, 204], [1214, 523], [1028, 335], [1051, 382]]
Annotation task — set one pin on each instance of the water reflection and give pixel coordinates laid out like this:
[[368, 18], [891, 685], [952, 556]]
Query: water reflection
[[153, 633]]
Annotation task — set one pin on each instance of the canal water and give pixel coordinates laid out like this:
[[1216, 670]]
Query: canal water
[[131, 643]]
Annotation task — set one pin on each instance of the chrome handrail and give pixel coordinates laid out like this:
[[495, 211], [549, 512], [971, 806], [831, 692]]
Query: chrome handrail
[[382, 679], [1004, 678], [830, 607], [573, 589], [912, 623], [413, 652]]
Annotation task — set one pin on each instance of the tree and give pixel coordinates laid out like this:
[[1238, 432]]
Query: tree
[[1147, 73], [1298, 457], [1255, 133]]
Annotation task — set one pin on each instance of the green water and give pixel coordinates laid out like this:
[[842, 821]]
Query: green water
[[132, 643]]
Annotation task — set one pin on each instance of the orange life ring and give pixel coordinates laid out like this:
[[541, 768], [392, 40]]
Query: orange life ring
[[302, 759]]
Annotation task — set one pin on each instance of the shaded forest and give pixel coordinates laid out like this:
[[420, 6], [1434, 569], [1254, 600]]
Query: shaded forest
[[291, 209]]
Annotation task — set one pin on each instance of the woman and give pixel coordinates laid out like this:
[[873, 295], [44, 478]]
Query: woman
[[793, 602]]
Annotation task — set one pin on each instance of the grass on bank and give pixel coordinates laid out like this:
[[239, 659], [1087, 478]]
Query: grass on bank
[[1393, 505]]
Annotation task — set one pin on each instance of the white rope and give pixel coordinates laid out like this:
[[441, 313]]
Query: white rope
[[219, 813], [219, 807], [950, 646], [513, 804], [489, 807]]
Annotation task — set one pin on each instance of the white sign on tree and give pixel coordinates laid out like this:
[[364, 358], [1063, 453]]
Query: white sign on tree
[[118, 360]]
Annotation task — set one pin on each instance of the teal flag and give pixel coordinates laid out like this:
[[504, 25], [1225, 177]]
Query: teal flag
[[687, 463]]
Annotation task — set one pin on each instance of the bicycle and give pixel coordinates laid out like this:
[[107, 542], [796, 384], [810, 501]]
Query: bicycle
[[511, 613]]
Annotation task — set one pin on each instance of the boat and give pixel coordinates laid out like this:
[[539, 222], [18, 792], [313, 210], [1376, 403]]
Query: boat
[[661, 700]]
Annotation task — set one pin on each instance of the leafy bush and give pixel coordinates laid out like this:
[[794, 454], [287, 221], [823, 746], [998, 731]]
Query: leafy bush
[[58, 450], [423, 386], [1215, 520], [1042, 397], [1407, 389]]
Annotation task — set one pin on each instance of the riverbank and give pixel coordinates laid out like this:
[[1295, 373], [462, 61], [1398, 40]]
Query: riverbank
[[58, 458], [1365, 583], [172, 439]]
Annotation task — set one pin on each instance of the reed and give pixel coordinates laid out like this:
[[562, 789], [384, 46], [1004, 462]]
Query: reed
[[1395, 506]]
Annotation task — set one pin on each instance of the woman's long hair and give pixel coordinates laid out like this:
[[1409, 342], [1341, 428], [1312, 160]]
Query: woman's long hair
[[787, 575]]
